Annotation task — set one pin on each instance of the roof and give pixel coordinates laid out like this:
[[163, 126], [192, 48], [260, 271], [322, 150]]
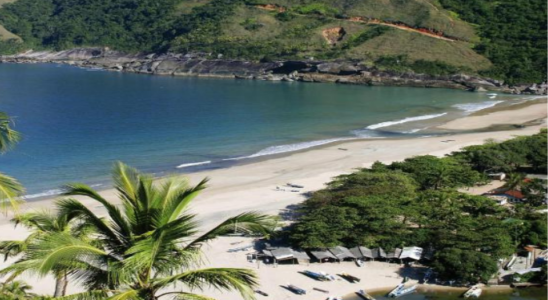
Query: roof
[[411, 252], [341, 252], [322, 254], [378, 253], [395, 253], [283, 253], [515, 194]]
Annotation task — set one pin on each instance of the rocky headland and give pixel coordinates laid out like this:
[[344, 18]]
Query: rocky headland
[[344, 72]]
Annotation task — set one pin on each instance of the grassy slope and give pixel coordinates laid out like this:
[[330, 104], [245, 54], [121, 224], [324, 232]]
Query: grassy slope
[[393, 42], [5, 34], [305, 32]]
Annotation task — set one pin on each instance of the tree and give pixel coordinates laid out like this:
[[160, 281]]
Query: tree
[[534, 191], [10, 188], [41, 225], [152, 242], [464, 265], [432, 172], [15, 290]]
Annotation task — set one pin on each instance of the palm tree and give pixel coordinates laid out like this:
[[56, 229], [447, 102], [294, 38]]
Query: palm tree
[[16, 290], [139, 250], [10, 188], [41, 225]]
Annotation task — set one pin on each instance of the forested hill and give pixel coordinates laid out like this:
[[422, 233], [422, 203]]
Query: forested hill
[[504, 39]]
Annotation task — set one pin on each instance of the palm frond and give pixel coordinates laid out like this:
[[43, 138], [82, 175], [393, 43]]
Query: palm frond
[[12, 248], [8, 137], [177, 201], [185, 296], [249, 221], [160, 244], [111, 232], [90, 295], [79, 189], [10, 191], [232, 279], [126, 295]]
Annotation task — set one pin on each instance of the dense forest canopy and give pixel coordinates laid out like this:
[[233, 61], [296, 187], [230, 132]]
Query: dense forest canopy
[[504, 39], [420, 202]]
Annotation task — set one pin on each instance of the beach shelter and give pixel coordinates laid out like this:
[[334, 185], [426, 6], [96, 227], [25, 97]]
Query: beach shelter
[[394, 254], [323, 255], [342, 253], [283, 254], [411, 253], [378, 253]]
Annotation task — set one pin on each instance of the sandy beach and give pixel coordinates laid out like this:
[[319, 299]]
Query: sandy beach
[[252, 187]]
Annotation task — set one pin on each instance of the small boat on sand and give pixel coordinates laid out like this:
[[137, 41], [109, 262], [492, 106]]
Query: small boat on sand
[[359, 262], [328, 276], [296, 290], [261, 293], [396, 289], [321, 290], [364, 295], [403, 291], [349, 278], [473, 292], [315, 275]]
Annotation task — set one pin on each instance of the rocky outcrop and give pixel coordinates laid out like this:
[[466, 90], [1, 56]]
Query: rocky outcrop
[[201, 64]]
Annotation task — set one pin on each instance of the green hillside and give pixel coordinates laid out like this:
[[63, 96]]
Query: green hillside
[[444, 35]]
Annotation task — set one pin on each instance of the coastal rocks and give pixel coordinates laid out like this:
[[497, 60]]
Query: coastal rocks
[[200, 64]]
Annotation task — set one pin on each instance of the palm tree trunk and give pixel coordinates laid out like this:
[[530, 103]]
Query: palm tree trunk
[[60, 284], [65, 285]]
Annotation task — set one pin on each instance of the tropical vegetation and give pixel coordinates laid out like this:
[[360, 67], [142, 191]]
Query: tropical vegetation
[[422, 201], [147, 247], [10, 188], [503, 39]]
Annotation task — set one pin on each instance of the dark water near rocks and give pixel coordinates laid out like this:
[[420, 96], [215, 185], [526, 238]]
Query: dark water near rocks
[[77, 122]]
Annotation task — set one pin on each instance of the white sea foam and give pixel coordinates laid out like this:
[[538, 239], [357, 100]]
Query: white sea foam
[[53, 192], [194, 164], [473, 107], [406, 120], [291, 147], [44, 194], [413, 130]]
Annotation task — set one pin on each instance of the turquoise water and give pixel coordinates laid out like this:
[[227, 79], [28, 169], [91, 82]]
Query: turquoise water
[[77, 122]]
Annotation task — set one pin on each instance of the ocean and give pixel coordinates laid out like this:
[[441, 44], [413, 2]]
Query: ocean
[[77, 122]]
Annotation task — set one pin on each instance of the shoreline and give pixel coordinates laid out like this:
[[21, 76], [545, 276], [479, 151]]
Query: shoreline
[[251, 186], [338, 71], [434, 131]]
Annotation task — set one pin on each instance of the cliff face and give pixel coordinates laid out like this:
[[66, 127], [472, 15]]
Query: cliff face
[[344, 72]]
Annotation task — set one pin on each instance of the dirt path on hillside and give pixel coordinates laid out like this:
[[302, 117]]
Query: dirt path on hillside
[[423, 31]]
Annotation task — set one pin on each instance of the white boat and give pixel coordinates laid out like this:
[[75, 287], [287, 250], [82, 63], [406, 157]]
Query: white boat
[[364, 295], [403, 291], [396, 289], [359, 262], [473, 292], [328, 276], [492, 95]]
